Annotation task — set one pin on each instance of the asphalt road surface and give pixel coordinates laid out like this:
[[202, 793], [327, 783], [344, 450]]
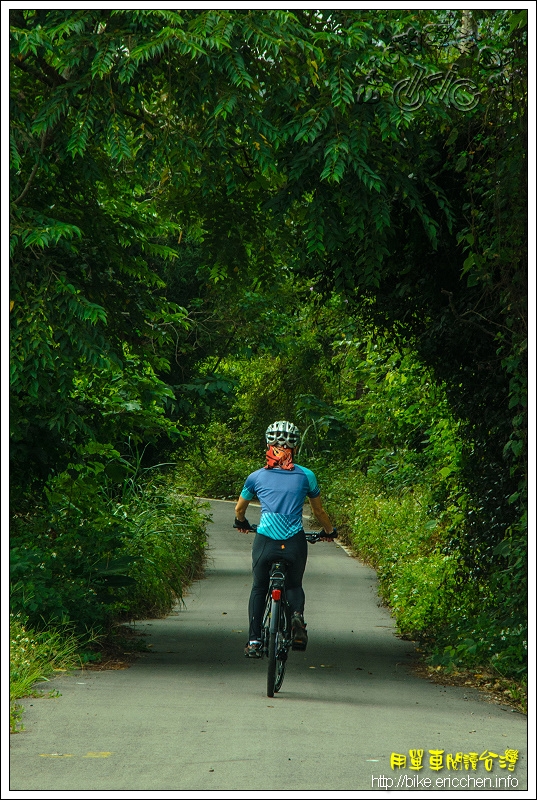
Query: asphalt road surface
[[193, 714]]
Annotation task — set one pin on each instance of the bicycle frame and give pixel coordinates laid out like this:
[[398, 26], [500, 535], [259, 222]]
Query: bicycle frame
[[277, 590]]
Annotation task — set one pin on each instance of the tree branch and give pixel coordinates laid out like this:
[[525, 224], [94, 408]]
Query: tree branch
[[460, 317], [21, 64], [225, 349], [33, 172], [137, 116]]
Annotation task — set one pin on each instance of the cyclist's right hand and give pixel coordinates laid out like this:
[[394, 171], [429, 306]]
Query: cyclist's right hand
[[329, 537], [244, 526]]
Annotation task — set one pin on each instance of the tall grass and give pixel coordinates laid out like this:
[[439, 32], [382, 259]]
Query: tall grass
[[97, 550], [34, 657], [167, 546]]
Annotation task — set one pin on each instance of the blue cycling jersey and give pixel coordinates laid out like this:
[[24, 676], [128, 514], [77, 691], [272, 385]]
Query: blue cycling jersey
[[282, 493]]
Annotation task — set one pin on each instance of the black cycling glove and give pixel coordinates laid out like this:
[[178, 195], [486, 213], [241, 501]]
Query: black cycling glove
[[242, 525]]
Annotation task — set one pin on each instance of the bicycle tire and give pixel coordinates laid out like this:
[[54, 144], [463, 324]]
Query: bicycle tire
[[278, 646], [265, 628], [282, 646], [272, 647]]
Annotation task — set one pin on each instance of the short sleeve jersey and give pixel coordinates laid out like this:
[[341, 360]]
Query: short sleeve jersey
[[282, 493]]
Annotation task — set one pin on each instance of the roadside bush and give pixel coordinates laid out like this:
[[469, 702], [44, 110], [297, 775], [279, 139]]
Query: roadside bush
[[109, 541], [110, 544], [422, 578], [396, 535], [477, 635], [167, 545]]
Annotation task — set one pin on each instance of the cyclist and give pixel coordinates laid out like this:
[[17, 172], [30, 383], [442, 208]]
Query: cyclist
[[281, 487]]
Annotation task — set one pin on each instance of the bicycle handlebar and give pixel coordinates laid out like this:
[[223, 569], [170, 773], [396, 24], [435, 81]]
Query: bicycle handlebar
[[311, 536], [317, 536]]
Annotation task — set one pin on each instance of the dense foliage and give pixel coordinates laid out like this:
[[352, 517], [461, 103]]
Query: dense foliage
[[98, 550], [224, 216]]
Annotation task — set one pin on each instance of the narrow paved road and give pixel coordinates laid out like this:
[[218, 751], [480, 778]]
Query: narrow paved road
[[193, 714]]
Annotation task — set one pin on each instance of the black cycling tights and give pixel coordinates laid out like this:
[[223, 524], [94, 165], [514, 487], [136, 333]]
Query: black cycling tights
[[264, 552]]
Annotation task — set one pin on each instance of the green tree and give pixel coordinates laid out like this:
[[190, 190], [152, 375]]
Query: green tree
[[172, 171]]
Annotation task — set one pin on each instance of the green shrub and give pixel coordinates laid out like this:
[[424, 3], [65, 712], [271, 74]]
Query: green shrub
[[420, 591], [475, 636], [106, 542], [396, 535], [422, 578]]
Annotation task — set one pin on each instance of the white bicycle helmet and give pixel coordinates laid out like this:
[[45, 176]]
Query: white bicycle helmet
[[283, 433]]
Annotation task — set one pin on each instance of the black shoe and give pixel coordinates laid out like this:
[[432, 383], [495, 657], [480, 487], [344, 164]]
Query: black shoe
[[299, 633], [253, 650]]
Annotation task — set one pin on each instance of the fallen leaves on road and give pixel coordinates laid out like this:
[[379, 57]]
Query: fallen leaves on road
[[107, 665], [495, 689]]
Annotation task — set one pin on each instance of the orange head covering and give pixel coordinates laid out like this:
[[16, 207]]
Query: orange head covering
[[279, 457]]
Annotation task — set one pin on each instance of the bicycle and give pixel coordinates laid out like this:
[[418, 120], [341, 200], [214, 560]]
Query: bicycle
[[276, 632]]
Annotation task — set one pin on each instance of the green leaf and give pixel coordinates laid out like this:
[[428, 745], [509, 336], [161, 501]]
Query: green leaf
[[518, 20], [468, 264], [452, 137]]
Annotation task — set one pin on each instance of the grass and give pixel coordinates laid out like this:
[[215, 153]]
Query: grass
[[34, 657]]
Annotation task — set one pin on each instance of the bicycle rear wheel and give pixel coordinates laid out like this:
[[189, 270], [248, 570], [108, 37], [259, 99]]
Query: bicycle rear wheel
[[277, 648], [272, 647], [281, 661], [265, 628]]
